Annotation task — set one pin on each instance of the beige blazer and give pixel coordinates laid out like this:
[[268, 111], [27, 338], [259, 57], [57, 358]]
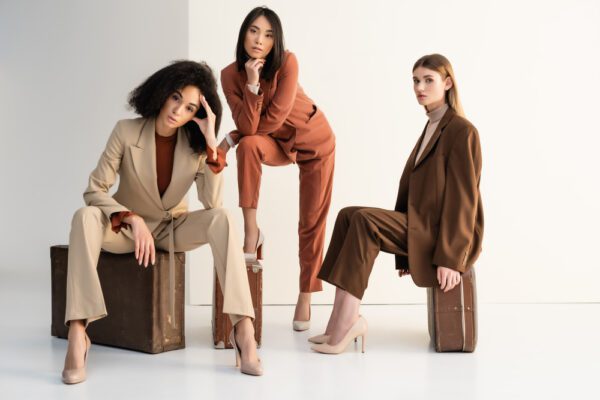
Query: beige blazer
[[131, 153], [440, 195]]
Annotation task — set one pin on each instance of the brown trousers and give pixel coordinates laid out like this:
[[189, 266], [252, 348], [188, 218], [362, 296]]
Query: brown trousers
[[358, 236], [316, 182]]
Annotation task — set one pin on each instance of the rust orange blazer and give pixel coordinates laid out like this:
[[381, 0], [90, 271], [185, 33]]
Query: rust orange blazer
[[440, 195], [281, 109]]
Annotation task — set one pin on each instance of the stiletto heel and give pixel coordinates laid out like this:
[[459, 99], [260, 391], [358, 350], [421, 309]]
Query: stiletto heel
[[364, 338], [252, 259], [248, 369], [237, 359], [358, 329], [77, 375], [259, 247]]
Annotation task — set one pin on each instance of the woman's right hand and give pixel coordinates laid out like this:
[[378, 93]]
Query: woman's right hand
[[144, 242], [253, 68], [207, 126]]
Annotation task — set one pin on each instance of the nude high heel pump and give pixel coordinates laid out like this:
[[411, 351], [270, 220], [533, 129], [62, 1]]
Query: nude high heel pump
[[322, 338], [77, 375], [253, 259], [254, 369], [358, 329], [300, 326]]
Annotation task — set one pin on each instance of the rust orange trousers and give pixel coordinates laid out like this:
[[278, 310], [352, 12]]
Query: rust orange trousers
[[316, 182]]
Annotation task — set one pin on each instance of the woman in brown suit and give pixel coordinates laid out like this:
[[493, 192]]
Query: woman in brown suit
[[436, 228], [278, 124], [158, 157]]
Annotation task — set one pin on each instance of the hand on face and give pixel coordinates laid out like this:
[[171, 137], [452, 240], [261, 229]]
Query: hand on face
[[258, 43], [253, 68], [207, 126]]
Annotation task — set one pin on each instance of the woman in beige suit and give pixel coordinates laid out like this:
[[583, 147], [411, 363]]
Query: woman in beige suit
[[436, 228], [157, 157]]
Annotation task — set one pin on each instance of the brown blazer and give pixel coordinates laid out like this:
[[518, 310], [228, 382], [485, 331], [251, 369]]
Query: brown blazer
[[281, 109], [440, 195]]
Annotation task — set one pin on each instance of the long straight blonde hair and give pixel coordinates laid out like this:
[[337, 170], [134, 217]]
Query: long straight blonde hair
[[440, 64]]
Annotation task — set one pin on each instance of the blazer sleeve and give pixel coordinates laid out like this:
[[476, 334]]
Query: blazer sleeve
[[246, 106], [104, 175], [209, 185], [459, 208], [283, 100]]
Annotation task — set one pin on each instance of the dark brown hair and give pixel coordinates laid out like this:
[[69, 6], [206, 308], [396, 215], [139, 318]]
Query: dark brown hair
[[275, 56], [148, 98]]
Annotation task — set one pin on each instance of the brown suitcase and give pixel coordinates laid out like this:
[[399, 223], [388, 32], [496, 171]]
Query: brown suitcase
[[221, 324], [453, 316], [137, 301]]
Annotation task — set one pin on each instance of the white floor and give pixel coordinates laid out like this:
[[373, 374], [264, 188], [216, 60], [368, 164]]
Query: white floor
[[524, 352]]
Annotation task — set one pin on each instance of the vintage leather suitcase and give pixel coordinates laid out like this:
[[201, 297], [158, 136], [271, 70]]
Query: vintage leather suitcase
[[453, 316], [221, 324], [137, 301]]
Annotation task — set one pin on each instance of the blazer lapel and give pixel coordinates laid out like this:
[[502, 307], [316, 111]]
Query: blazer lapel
[[185, 166], [143, 154], [412, 158], [436, 135]]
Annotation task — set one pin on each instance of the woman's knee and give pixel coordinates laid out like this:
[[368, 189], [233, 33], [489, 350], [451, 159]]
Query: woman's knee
[[86, 214], [248, 144], [221, 215], [346, 213], [361, 216]]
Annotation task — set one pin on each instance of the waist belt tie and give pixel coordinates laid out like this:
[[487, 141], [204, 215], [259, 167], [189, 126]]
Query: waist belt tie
[[171, 316]]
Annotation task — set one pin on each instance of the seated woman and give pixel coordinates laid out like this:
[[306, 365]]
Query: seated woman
[[157, 158], [436, 227]]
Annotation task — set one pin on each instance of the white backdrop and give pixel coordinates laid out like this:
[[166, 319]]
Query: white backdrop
[[528, 80], [66, 67], [527, 75]]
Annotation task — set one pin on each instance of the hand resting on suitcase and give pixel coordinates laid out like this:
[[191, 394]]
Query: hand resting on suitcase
[[447, 278]]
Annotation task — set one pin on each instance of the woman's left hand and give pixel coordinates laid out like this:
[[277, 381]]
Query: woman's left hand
[[207, 126], [447, 278]]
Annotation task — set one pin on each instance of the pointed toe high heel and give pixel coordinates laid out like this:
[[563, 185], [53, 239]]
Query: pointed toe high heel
[[253, 259], [77, 375], [254, 368], [322, 338], [300, 326], [358, 329]]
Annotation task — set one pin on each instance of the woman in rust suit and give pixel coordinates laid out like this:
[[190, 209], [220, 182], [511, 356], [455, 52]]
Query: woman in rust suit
[[278, 124]]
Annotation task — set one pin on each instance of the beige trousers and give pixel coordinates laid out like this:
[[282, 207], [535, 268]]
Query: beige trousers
[[91, 231]]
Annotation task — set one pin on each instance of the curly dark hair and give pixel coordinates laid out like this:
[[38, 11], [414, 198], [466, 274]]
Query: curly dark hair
[[148, 98]]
